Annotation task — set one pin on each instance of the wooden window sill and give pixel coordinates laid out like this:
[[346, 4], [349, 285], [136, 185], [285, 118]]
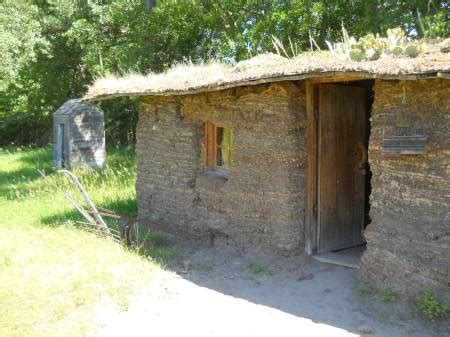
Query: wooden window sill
[[219, 174]]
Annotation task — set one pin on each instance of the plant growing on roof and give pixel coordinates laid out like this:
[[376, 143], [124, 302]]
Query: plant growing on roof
[[370, 47], [278, 45]]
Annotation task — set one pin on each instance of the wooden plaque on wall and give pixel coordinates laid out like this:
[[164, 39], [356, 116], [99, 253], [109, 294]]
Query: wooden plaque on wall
[[404, 140]]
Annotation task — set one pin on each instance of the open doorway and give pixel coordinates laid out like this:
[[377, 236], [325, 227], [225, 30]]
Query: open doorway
[[340, 170]]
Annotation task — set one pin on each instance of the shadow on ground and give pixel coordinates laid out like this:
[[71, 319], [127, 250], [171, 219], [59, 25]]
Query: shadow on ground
[[298, 286], [18, 180], [125, 207]]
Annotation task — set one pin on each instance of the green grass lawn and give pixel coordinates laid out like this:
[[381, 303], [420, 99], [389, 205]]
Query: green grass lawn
[[52, 273]]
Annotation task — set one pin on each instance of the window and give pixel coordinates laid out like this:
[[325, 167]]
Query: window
[[218, 148]]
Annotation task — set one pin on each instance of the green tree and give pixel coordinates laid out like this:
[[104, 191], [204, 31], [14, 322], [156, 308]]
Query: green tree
[[52, 49]]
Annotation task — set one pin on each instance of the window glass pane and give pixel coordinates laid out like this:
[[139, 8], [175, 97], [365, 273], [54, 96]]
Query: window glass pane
[[225, 141], [220, 137], [231, 142]]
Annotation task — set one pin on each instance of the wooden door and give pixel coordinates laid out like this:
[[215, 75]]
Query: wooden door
[[341, 184], [60, 150]]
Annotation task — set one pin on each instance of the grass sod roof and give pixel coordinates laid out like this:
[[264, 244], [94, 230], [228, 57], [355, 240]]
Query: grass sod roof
[[183, 79]]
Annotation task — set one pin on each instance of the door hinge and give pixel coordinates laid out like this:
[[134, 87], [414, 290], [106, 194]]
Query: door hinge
[[316, 112], [315, 209]]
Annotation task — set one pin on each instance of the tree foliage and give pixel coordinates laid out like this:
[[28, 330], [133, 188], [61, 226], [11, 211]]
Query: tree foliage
[[52, 49]]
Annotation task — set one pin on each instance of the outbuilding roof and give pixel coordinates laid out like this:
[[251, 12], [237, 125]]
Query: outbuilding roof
[[75, 106], [183, 79]]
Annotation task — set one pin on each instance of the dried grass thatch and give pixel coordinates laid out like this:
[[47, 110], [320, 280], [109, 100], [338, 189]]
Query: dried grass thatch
[[188, 78]]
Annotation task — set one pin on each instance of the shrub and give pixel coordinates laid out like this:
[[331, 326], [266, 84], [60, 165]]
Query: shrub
[[388, 295], [256, 268], [432, 309]]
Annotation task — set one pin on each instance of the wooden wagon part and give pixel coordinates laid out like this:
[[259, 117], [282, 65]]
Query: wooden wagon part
[[126, 223], [107, 214], [83, 212], [113, 234], [77, 183], [94, 215]]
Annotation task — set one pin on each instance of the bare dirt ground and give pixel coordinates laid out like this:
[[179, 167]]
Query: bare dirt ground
[[220, 291]]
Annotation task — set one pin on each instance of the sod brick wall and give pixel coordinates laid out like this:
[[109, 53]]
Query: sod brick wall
[[261, 204]]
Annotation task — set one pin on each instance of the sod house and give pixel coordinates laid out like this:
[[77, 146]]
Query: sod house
[[309, 154]]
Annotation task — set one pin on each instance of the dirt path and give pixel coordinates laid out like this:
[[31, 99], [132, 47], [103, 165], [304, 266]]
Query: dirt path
[[221, 292]]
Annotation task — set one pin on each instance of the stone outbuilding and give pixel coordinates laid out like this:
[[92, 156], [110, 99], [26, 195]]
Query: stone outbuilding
[[79, 135], [310, 154]]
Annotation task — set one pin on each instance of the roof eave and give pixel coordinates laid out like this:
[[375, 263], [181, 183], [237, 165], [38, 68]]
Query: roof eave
[[294, 77]]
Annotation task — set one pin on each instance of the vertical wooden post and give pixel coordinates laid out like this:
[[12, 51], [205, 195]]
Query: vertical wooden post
[[311, 175]]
